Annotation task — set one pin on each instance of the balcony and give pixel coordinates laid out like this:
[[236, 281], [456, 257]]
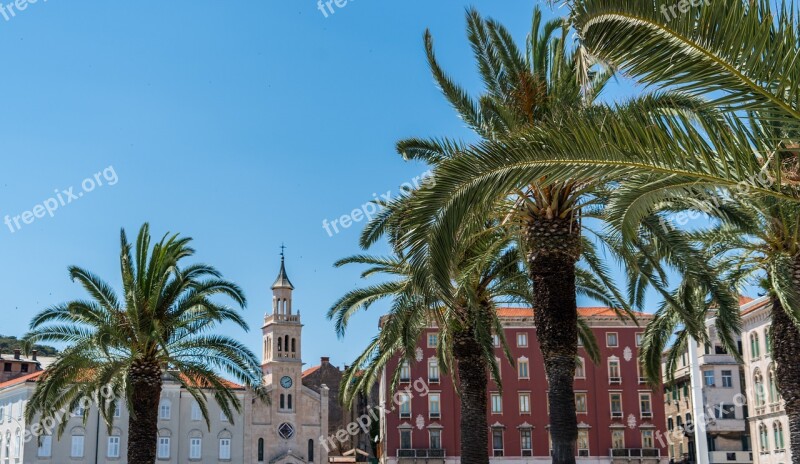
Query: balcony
[[635, 455], [421, 456], [734, 457], [615, 380]]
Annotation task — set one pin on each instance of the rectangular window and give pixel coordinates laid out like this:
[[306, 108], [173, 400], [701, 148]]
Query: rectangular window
[[612, 340], [580, 369], [618, 439], [495, 340], [645, 405], [434, 405], [581, 406], [433, 371], [522, 339], [497, 442], [433, 340], [522, 369], [708, 378], [647, 439], [117, 411], [197, 414], [583, 443], [727, 379], [76, 450], [725, 411], [405, 405], [113, 447], [225, 448], [163, 447], [524, 403], [497, 403], [223, 417], [405, 372], [405, 439], [45, 447], [639, 339], [614, 375], [616, 404], [525, 442], [435, 439], [164, 410], [195, 448]]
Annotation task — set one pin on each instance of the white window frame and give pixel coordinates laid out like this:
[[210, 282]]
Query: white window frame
[[522, 339], [434, 405], [165, 409], [616, 338], [497, 400], [404, 408], [639, 338], [433, 371], [614, 379], [523, 361], [195, 448], [580, 369], [433, 339], [225, 449], [163, 448], [113, 447], [615, 414], [405, 371], [649, 397], [197, 413], [45, 448], [648, 436], [77, 445], [585, 402], [524, 403]]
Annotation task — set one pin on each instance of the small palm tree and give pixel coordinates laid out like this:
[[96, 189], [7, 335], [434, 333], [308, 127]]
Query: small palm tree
[[162, 324]]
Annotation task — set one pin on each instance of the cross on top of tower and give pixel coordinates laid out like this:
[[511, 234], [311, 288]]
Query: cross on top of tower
[[283, 280]]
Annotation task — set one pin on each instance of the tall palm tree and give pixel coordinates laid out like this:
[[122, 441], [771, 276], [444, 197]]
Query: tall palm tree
[[524, 91], [162, 324]]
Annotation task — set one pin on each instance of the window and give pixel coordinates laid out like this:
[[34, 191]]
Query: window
[[774, 396], [768, 341], [497, 442], [777, 428], [497, 403], [23, 368], [433, 340], [165, 410], [112, 450], [755, 349], [45, 447], [224, 418], [522, 368], [525, 442], [763, 438], [495, 340], [758, 381], [310, 451], [580, 403], [7, 367], [670, 424], [117, 411], [580, 369], [618, 438], [405, 439], [522, 339], [725, 411], [524, 403], [616, 404], [708, 378], [163, 447], [433, 371], [727, 379], [405, 406], [434, 405], [612, 340], [260, 450], [647, 439], [195, 448], [614, 375], [583, 443], [639, 339], [645, 405], [405, 372], [76, 450], [197, 414], [435, 437], [225, 448]]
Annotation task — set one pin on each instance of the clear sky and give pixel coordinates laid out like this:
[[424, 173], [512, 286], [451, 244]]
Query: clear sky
[[241, 124]]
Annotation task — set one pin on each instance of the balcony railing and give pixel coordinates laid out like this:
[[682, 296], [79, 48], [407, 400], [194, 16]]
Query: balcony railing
[[421, 453], [635, 452]]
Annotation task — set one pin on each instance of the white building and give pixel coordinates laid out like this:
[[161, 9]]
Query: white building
[[286, 431], [768, 421]]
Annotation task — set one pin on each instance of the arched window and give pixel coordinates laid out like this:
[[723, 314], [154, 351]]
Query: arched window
[[774, 396], [758, 382], [280, 343], [755, 349], [290, 402], [763, 438], [283, 404], [260, 450], [311, 450], [293, 346], [688, 419], [670, 424], [777, 428], [679, 422], [286, 342], [768, 340]]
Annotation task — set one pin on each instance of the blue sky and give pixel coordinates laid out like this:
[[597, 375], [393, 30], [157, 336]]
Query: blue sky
[[241, 124]]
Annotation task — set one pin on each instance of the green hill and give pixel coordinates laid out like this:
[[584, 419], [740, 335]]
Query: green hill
[[8, 344]]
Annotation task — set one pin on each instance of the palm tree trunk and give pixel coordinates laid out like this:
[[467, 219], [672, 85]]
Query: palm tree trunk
[[553, 251], [472, 377], [144, 380], [786, 352]]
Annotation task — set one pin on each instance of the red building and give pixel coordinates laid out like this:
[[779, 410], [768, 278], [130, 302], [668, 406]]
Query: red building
[[618, 413]]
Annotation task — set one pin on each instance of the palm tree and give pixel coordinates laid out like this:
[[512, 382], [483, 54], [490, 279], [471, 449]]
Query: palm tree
[[162, 324], [524, 91]]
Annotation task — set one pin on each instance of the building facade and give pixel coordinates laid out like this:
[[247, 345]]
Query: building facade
[[619, 415], [768, 421], [285, 431], [724, 405]]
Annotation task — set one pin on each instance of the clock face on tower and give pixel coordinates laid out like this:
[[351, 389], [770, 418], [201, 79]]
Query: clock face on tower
[[286, 381]]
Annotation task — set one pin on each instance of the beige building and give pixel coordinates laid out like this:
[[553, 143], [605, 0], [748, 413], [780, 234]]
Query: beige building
[[287, 431], [768, 420], [724, 405]]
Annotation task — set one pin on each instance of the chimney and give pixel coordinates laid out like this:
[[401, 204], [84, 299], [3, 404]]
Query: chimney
[[325, 360], [33, 354], [17, 353]]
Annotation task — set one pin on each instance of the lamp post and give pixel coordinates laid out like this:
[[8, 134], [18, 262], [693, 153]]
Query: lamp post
[[698, 415]]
